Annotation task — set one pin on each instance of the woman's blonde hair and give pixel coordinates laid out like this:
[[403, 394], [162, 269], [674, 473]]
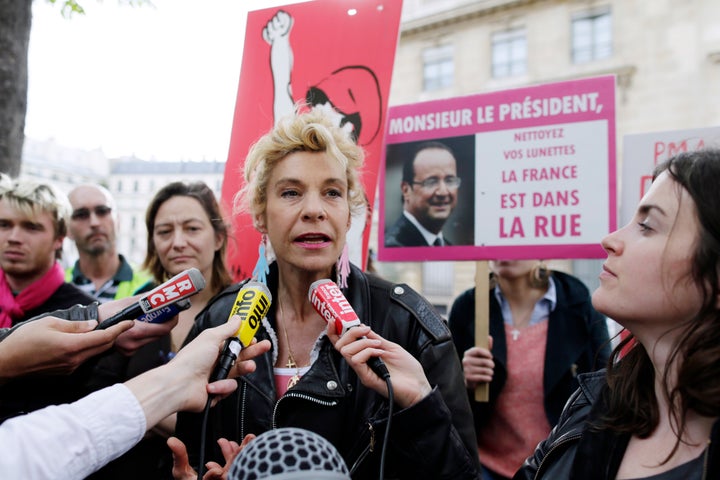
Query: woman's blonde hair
[[310, 131]]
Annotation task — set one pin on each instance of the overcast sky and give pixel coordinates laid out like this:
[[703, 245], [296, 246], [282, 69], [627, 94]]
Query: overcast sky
[[158, 82]]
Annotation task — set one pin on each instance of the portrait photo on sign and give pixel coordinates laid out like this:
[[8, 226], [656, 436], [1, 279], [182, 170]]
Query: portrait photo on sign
[[429, 192]]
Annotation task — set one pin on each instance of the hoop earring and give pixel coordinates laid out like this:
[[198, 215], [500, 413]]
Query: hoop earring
[[539, 275]]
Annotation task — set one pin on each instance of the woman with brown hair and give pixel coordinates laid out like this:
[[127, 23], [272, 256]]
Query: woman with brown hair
[[186, 229], [654, 413]]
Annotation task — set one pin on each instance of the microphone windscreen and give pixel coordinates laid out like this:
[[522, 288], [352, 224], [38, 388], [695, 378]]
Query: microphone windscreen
[[288, 454]]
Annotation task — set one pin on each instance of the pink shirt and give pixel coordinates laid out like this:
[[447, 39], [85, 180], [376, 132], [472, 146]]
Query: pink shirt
[[519, 422], [283, 377]]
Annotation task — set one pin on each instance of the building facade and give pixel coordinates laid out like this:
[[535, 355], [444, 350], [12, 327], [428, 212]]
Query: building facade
[[132, 182], [665, 55]]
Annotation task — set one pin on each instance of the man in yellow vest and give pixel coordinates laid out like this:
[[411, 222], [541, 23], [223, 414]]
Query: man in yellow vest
[[99, 271]]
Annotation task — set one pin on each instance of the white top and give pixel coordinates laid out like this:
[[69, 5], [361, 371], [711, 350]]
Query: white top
[[72, 440]]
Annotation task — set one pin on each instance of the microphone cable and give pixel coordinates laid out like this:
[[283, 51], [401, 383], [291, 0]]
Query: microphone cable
[[330, 302], [386, 437], [203, 432], [225, 363], [252, 304]]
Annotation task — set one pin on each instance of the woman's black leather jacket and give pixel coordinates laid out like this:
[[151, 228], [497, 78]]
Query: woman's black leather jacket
[[572, 451], [433, 439]]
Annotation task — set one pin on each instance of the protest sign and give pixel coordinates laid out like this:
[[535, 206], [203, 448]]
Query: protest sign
[[537, 170]]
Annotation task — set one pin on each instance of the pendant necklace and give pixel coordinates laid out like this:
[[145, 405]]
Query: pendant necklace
[[291, 358]]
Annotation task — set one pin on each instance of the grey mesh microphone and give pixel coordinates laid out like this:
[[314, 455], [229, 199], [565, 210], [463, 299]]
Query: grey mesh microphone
[[288, 454]]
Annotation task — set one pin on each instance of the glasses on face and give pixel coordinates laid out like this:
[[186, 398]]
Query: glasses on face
[[431, 183], [84, 213]]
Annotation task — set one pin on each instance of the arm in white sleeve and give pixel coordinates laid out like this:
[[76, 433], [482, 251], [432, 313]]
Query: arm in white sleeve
[[73, 440]]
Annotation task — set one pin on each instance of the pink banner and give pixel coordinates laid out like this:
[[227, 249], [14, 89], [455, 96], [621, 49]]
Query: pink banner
[[536, 169]]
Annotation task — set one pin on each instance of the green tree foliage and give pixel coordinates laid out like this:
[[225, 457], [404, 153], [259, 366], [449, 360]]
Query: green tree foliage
[[69, 7]]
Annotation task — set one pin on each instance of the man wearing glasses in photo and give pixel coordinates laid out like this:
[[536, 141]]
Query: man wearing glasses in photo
[[429, 190], [99, 271]]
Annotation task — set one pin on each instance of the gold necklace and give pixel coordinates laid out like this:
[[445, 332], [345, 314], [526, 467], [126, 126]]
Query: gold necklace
[[291, 363]]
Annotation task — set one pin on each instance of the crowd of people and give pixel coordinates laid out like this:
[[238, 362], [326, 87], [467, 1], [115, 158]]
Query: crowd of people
[[136, 400]]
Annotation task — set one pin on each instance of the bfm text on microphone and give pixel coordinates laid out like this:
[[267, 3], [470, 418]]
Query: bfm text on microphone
[[329, 301], [252, 304], [179, 287]]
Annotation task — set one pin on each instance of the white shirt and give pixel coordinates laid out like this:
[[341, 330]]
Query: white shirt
[[72, 440], [542, 309]]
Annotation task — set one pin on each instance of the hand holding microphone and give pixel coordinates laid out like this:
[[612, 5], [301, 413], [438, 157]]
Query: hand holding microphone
[[329, 301], [251, 304], [163, 302]]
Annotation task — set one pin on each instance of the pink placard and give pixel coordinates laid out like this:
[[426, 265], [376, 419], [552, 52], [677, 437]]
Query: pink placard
[[538, 171]]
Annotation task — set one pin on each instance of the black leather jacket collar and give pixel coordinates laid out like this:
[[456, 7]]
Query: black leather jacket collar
[[599, 453]]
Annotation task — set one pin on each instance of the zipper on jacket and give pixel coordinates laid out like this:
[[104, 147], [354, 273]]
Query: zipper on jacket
[[303, 396], [243, 408], [557, 445], [372, 437], [705, 460], [366, 451]]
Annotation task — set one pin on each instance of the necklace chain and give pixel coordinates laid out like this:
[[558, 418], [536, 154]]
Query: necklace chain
[[291, 363]]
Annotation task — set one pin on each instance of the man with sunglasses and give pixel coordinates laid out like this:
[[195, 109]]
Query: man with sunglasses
[[429, 191], [99, 271]]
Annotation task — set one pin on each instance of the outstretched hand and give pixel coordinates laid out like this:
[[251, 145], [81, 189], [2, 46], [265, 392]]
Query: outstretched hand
[[53, 345], [141, 333], [214, 471], [182, 384]]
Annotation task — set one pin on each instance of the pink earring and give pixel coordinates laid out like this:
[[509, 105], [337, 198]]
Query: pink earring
[[261, 267], [343, 267]]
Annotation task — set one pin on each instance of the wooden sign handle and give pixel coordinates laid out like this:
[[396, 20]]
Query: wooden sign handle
[[482, 318]]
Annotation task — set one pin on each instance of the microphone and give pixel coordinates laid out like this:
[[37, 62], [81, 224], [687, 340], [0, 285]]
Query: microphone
[[329, 301], [163, 314], [288, 453], [179, 287], [252, 304]]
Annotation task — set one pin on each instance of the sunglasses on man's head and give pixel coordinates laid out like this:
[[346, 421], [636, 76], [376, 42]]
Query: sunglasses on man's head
[[84, 213]]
